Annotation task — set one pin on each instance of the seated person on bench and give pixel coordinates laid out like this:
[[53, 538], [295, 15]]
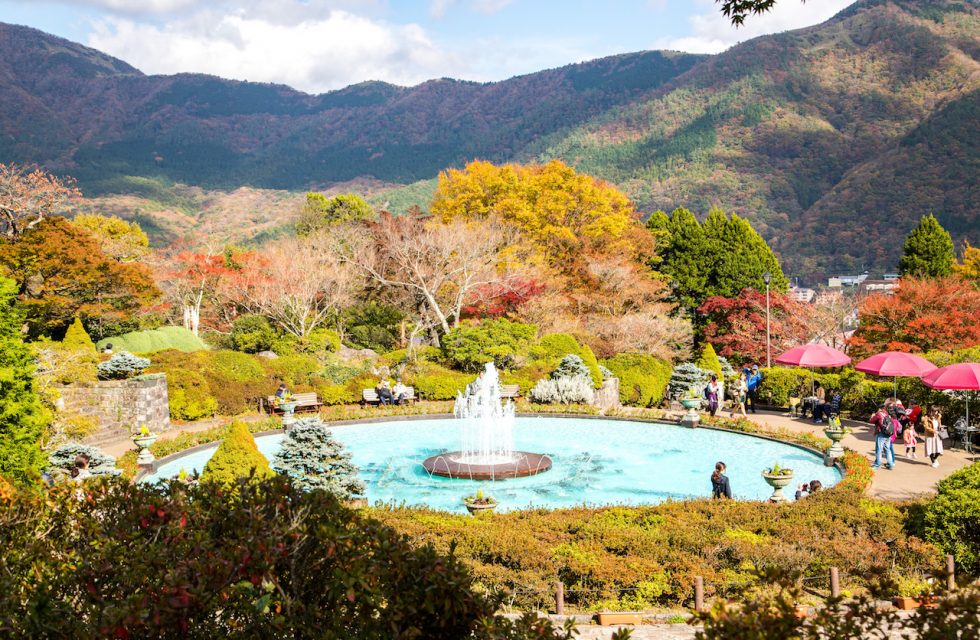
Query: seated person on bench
[[399, 392], [384, 392]]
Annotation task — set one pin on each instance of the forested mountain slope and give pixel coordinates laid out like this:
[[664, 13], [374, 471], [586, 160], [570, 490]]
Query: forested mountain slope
[[832, 140]]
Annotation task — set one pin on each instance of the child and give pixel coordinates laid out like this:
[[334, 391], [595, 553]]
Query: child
[[908, 437]]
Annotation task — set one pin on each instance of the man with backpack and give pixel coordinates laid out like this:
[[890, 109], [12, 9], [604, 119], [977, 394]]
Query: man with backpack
[[753, 383], [885, 428]]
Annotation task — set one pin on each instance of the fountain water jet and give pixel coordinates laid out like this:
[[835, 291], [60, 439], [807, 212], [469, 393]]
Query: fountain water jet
[[487, 451]]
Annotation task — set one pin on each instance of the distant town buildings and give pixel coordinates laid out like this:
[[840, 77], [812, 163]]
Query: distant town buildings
[[837, 282], [802, 294]]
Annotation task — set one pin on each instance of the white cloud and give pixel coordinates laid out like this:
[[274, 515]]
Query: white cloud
[[712, 32], [314, 55], [439, 8]]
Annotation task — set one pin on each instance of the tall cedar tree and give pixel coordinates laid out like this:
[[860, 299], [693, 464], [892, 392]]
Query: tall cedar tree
[[237, 457], [721, 257], [22, 420], [61, 272], [922, 315], [928, 251]]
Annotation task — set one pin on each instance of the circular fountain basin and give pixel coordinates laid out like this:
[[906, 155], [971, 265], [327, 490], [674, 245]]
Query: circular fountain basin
[[595, 461], [462, 467]]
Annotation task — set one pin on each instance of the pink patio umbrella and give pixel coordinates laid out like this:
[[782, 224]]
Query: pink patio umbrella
[[964, 376], [813, 355], [896, 364]]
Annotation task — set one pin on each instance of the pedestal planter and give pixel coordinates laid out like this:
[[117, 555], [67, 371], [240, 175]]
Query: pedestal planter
[[778, 483], [835, 436], [145, 458], [287, 414], [691, 418], [475, 508]]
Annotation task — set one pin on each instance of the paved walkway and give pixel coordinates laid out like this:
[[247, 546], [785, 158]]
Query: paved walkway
[[909, 478]]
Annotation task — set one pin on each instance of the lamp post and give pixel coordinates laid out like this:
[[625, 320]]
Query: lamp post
[[767, 277]]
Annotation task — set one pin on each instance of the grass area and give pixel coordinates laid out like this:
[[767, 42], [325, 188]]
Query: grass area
[[154, 340]]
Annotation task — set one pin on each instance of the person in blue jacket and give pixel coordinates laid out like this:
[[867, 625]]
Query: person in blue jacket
[[753, 383]]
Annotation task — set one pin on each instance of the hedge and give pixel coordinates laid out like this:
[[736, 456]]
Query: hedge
[[263, 560], [550, 350], [642, 378], [153, 340], [952, 519]]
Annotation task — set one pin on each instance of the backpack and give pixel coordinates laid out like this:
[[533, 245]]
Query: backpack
[[887, 426]]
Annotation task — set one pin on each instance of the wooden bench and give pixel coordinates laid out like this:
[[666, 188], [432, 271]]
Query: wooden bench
[[304, 402], [370, 396], [510, 391]]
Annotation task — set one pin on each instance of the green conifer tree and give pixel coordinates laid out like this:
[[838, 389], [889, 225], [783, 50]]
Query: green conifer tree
[[237, 457], [739, 257], [685, 259], [928, 251], [314, 459], [80, 358], [709, 360], [77, 338], [22, 418]]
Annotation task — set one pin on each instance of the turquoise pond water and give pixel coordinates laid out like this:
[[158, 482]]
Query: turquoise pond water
[[596, 462]]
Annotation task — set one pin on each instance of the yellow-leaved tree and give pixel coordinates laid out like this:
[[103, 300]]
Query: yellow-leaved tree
[[570, 217]]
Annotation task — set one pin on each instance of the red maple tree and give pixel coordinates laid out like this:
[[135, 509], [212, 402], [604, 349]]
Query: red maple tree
[[736, 327]]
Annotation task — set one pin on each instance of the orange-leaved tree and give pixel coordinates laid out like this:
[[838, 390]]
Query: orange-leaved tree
[[736, 327], [921, 315], [29, 196], [61, 272]]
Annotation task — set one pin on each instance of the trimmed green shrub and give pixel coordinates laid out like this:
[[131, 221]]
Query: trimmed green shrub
[[779, 384], [314, 459], [642, 378], [372, 326], [952, 518], [190, 396], [339, 371], [153, 340], [77, 339], [709, 360], [421, 353], [553, 347], [237, 457], [434, 382], [251, 333], [470, 346], [236, 366], [122, 366], [296, 370]]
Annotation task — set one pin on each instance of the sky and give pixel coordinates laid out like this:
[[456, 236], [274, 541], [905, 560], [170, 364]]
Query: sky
[[321, 45]]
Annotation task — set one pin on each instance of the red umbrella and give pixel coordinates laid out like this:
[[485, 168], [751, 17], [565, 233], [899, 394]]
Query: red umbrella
[[813, 355], [895, 364], [964, 376]]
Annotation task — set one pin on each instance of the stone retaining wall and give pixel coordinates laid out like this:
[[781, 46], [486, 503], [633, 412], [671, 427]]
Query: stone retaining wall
[[121, 406], [607, 396]]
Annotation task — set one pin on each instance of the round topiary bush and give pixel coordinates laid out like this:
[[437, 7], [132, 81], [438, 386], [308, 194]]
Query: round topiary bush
[[237, 457]]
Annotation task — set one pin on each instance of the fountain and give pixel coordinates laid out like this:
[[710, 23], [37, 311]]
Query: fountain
[[487, 451]]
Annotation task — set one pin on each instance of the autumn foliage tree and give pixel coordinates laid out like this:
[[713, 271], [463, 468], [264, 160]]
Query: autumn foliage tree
[[29, 196], [921, 315], [62, 272], [736, 327]]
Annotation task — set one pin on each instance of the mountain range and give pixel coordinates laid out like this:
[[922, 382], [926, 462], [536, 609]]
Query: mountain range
[[832, 140]]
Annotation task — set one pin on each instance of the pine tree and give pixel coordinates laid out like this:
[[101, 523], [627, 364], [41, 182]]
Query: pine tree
[[237, 457], [22, 418], [571, 366], [685, 259], [709, 360], [687, 378], [928, 251], [314, 459]]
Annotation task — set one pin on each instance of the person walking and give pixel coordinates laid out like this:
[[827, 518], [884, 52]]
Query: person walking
[[884, 432], [720, 487], [712, 392], [753, 385], [739, 392], [933, 427]]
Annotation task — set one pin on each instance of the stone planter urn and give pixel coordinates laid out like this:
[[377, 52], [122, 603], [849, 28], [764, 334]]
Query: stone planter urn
[[691, 418], [778, 482], [288, 418], [479, 504], [835, 436], [143, 440]]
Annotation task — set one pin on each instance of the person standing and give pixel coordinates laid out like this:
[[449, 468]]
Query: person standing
[[720, 487], [753, 384], [712, 393], [884, 432], [739, 393], [933, 426], [909, 439]]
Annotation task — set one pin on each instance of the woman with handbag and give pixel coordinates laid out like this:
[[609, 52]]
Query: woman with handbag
[[934, 434]]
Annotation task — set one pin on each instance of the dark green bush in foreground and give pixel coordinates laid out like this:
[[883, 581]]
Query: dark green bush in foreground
[[264, 560], [952, 519]]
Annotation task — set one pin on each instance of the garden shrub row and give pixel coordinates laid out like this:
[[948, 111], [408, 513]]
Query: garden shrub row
[[642, 378], [636, 557], [264, 559]]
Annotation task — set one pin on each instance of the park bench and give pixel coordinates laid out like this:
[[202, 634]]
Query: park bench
[[304, 402], [510, 391], [370, 396]]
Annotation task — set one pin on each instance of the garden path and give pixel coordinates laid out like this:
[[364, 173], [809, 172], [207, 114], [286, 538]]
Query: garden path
[[909, 478]]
